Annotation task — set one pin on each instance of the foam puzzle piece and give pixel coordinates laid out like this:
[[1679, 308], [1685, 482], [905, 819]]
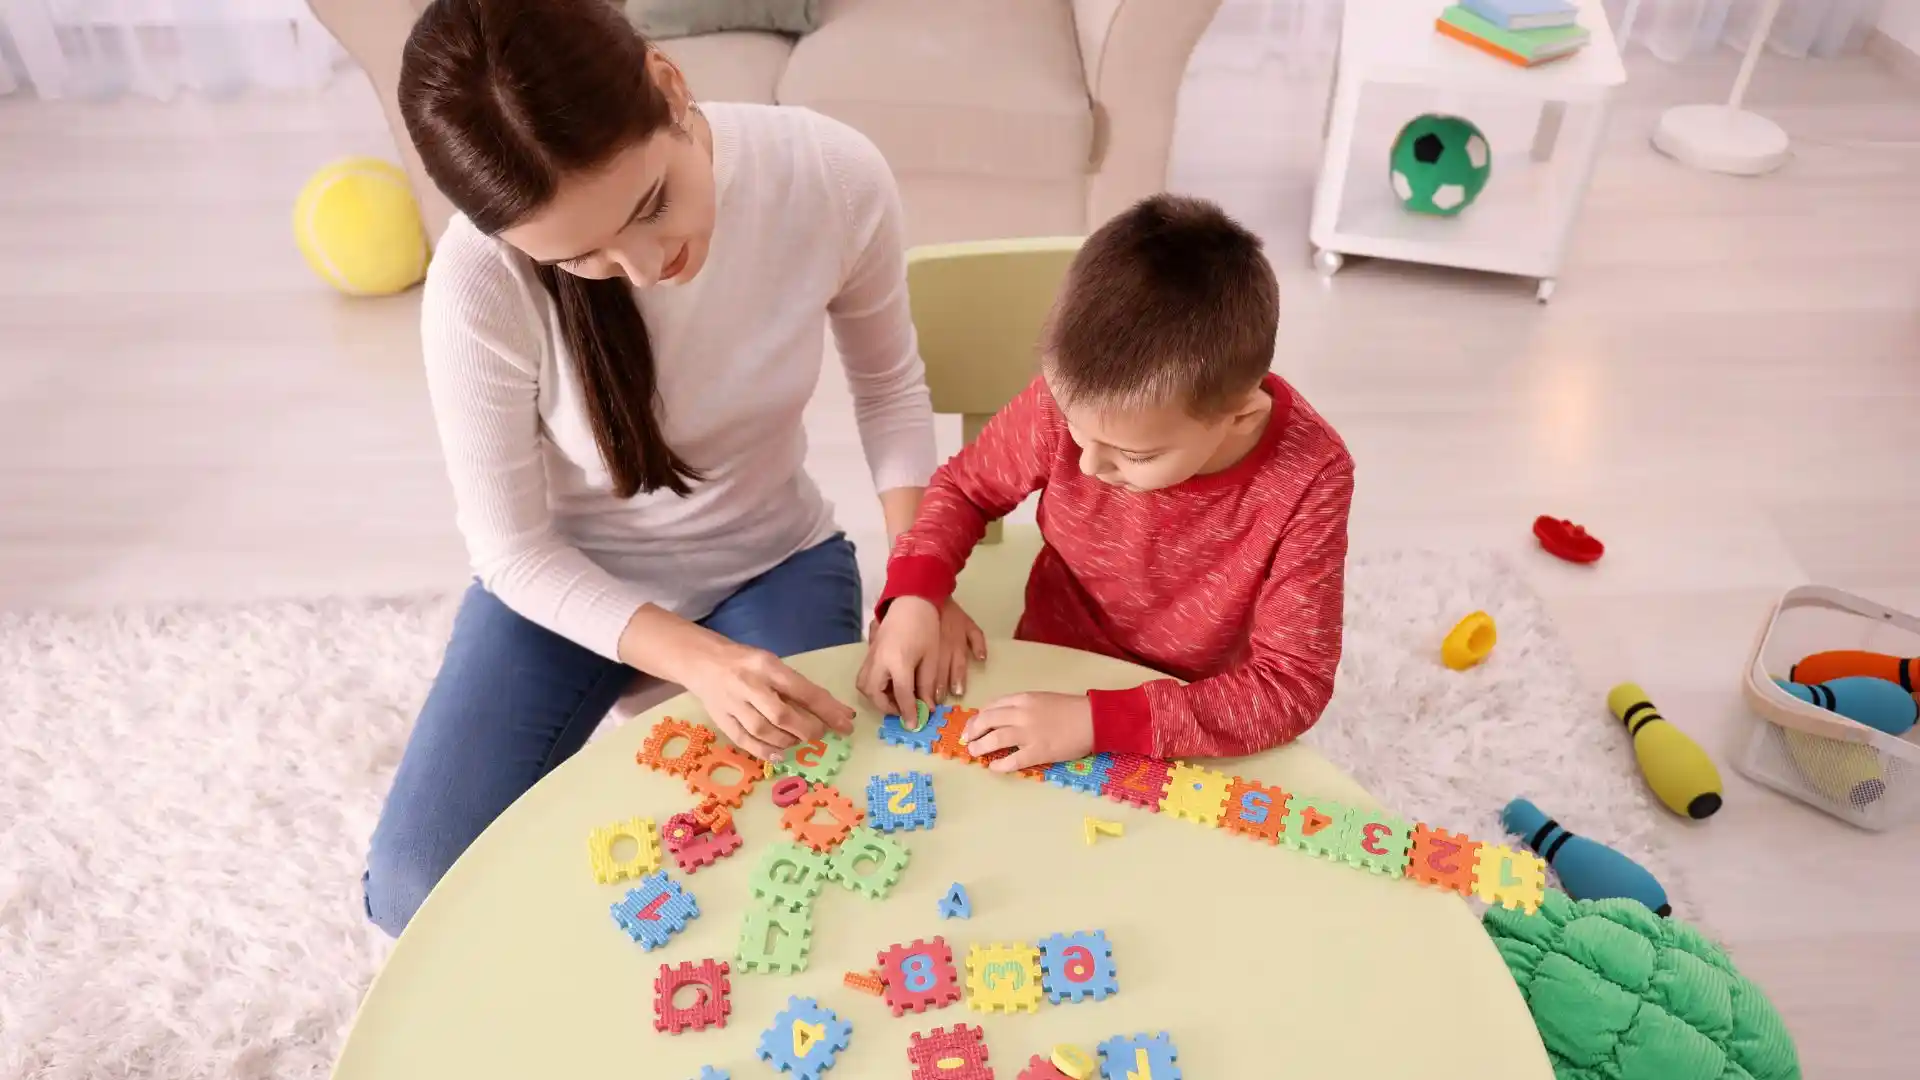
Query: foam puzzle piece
[[816, 762], [1196, 793], [1318, 826], [1137, 781], [1003, 978], [1040, 1067], [1139, 1057], [706, 849], [1255, 810], [1380, 843], [708, 1072], [774, 941], [644, 860], [714, 815], [1074, 1062], [804, 1039], [1094, 828], [948, 744], [1442, 859], [655, 911], [1085, 775], [789, 876], [1512, 879], [867, 982], [704, 778], [956, 904], [901, 801], [709, 1009], [680, 830], [653, 752], [883, 858], [788, 790], [1077, 966], [919, 976], [801, 819], [894, 733], [959, 1053]]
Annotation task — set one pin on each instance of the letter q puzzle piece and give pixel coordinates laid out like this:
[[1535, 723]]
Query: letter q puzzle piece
[[919, 976], [1443, 859], [1512, 879], [1003, 978], [942, 1054], [644, 860], [900, 801], [1077, 966], [1255, 809], [805, 1039], [653, 752], [1196, 793], [655, 911], [1138, 1057], [708, 1009]]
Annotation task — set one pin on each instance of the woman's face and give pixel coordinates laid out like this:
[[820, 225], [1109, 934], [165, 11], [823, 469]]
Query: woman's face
[[646, 216]]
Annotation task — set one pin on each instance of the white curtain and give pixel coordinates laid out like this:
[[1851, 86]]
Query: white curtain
[[102, 49]]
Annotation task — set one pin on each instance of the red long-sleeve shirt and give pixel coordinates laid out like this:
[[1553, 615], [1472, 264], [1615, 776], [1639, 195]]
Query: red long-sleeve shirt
[[1233, 581]]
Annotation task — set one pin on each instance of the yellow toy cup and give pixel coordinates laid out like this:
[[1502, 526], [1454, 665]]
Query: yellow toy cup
[[359, 228], [1468, 642]]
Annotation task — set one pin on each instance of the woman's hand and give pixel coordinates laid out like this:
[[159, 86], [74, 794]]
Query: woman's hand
[[763, 705], [1041, 729]]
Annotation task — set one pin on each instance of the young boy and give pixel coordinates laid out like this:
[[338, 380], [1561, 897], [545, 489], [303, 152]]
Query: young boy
[[1194, 508]]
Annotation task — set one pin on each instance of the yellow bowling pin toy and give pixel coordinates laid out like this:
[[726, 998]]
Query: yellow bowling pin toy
[[1679, 772], [1845, 772]]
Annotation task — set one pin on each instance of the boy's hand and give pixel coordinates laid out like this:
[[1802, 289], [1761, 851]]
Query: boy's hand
[[1042, 728], [903, 657], [961, 643]]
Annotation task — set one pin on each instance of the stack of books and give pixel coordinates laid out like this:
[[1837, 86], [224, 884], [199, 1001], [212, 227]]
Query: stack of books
[[1523, 32]]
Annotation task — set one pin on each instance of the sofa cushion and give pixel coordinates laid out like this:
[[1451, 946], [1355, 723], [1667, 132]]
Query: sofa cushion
[[988, 87], [734, 66], [685, 18]]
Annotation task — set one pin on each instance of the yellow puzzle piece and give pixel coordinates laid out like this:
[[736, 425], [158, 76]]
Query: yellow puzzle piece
[[1196, 793], [1003, 978], [646, 855], [1515, 879]]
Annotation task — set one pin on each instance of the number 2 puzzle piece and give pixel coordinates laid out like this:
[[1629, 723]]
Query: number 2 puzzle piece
[[895, 733], [653, 753], [948, 744], [868, 863], [1319, 827], [1379, 843], [816, 762], [1003, 978], [804, 1039], [1442, 859], [901, 801], [774, 942], [919, 976], [1085, 775], [942, 1054], [655, 911], [802, 818], [1196, 793], [644, 860], [708, 1009], [706, 780], [1138, 1057], [1512, 879], [1077, 966], [1255, 809], [1136, 780]]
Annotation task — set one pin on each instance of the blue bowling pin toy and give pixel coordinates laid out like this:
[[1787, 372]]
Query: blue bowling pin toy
[[1877, 703], [1588, 869]]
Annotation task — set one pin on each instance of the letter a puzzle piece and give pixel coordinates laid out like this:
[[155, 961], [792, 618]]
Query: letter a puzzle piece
[[919, 976], [956, 904], [708, 1009], [805, 1039], [1137, 1057], [1440, 858], [900, 801], [816, 762], [1379, 843], [868, 863], [940, 1054], [1078, 966], [704, 777], [1255, 809], [1196, 793], [775, 942], [1003, 978], [894, 733], [1512, 879], [644, 860], [655, 911], [1085, 775], [1137, 781], [653, 752], [1319, 827]]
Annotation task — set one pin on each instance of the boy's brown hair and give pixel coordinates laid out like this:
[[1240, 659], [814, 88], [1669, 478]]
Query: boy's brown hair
[[1172, 301]]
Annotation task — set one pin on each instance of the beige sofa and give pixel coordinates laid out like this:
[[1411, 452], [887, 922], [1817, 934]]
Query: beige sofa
[[1000, 117]]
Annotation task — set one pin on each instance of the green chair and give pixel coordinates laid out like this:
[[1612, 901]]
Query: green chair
[[978, 309]]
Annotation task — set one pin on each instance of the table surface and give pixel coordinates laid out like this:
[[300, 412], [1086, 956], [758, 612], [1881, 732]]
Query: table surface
[[1394, 40], [1243, 953]]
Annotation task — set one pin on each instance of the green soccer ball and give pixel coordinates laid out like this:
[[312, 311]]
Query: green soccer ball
[[1440, 163]]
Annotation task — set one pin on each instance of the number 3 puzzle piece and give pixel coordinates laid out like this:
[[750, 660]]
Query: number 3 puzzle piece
[[1003, 978]]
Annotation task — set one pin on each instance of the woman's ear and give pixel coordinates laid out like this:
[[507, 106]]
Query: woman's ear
[[672, 84]]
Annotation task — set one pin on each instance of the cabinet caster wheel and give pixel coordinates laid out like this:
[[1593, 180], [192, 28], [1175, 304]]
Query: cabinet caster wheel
[[1545, 292], [1329, 262]]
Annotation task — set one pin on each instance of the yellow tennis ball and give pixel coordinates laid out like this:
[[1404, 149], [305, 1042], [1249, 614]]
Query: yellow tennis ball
[[359, 228]]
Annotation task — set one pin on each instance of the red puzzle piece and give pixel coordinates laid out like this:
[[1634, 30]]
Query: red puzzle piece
[[919, 976], [1040, 1067], [960, 1054], [1136, 780], [710, 1007], [706, 849]]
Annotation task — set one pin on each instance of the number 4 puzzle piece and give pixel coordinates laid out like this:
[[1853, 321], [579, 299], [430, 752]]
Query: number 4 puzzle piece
[[804, 1039], [1319, 827]]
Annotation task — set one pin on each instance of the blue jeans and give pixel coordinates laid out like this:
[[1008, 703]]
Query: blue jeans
[[513, 700]]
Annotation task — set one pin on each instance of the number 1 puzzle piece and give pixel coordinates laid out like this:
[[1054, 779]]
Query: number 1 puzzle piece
[[655, 911], [1512, 879], [1078, 966], [1136, 780], [1003, 978], [804, 1039], [775, 942], [1196, 793], [919, 976], [1255, 809], [940, 1054], [1442, 859], [1318, 826], [1138, 1057], [901, 801], [644, 860], [1379, 843]]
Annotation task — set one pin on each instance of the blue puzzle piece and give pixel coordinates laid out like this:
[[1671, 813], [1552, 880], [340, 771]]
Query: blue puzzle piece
[[1086, 775], [1120, 1058], [1074, 967], [889, 807], [892, 731], [956, 905], [805, 1039], [655, 911], [708, 1072]]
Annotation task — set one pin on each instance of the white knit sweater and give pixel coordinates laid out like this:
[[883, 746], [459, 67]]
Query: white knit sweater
[[808, 228]]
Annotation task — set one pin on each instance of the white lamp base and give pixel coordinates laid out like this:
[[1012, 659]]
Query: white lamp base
[[1720, 138]]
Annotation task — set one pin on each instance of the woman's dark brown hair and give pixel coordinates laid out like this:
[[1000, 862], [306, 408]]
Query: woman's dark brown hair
[[503, 98]]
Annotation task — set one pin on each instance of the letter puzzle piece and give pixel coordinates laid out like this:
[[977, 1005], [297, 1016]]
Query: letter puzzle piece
[[942, 1054], [705, 778], [1379, 842], [868, 863], [774, 941], [653, 753], [1255, 809], [1085, 775], [1138, 1057], [803, 819], [1196, 794], [789, 876], [646, 852], [1077, 966], [919, 976], [956, 904], [1136, 780], [804, 1039], [1003, 978], [655, 911], [1440, 858], [948, 744], [816, 762], [900, 801], [710, 1006], [867, 982], [1319, 827], [894, 733], [1512, 879]]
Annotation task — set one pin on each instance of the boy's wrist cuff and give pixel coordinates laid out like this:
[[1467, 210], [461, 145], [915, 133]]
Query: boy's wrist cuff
[[1122, 721], [915, 575]]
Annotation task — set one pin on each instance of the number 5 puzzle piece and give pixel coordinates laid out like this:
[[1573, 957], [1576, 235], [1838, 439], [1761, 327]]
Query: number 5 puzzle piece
[[1196, 793], [1513, 879], [1255, 809], [919, 976], [1003, 978]]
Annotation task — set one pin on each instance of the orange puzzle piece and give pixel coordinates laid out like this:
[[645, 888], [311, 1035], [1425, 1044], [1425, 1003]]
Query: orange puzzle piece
[[704, 783], [948, 745], [653, 752], [867, 982], [714, 815], [1255, 809], [821, 836], [1443, 859]]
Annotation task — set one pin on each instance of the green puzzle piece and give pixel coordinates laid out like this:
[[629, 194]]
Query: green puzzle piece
[[789, 876], [888, 856], [816, 762], [1378, 842], [1330, 822], [775, 942]]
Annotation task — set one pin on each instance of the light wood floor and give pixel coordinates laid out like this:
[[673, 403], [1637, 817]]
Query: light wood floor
[[1725, 389]]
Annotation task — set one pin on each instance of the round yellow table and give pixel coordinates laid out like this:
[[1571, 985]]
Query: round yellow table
[[1259, 961]]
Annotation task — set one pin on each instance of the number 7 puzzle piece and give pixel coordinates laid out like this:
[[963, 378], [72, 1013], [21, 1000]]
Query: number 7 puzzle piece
[[1137, 780], [1003, 978]]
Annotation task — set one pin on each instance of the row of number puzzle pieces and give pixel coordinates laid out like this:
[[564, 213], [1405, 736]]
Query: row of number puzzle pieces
[[1368, 839]]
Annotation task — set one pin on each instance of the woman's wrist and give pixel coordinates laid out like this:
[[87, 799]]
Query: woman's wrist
[[666, 646]]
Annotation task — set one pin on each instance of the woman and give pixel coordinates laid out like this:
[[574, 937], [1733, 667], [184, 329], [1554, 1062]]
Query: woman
[[622, 328]]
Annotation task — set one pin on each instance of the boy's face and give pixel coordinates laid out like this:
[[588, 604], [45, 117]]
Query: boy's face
[[1148, 447]]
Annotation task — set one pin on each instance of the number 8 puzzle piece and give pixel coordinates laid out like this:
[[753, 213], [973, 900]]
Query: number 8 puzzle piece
[[919, 976], [1077, 966]]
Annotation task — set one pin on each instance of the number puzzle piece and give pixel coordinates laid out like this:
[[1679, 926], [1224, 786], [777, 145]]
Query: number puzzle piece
[[788, 790], [789, 876], [704, 778], [805, 1039], [884, 859], [948, 744], [1085, 775], [801, 819], [867, 982], [655, 911], [1073, 1062], [1138, 1057], [956, 904], [1440, 858], [706, 849], [774, 941], [646, 852], [942, 1054], [714, 815], [816, 762], [1512, 879], [919, 976], [1136, 780], [709, 1008], [900, 801], [894, 733], [1003, 978], [1039, 1067], [1094, 828], [653, 753], [1196, 794], [1380, 843], [1255, 809], [1077, 966], [1319, 827]]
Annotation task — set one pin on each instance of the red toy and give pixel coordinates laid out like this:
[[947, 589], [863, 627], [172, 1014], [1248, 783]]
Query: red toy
[[1040, 1068], [706, 849], [919, 976], [1565, 539], [710, 1007], [960, 1054]]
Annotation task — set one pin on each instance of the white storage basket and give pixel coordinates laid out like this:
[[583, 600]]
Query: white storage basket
[[1856, 773]]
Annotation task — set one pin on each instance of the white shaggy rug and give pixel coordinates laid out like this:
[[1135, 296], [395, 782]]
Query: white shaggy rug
[[186, 794]]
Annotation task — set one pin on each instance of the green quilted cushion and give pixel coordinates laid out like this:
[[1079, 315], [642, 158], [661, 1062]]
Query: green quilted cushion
[[1620, 993]]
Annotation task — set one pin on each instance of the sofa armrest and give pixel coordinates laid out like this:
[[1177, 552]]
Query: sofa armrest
[[1135, 54], [373, 32]]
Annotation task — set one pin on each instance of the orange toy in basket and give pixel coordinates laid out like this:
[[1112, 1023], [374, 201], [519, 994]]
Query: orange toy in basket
[[1840, 663]]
